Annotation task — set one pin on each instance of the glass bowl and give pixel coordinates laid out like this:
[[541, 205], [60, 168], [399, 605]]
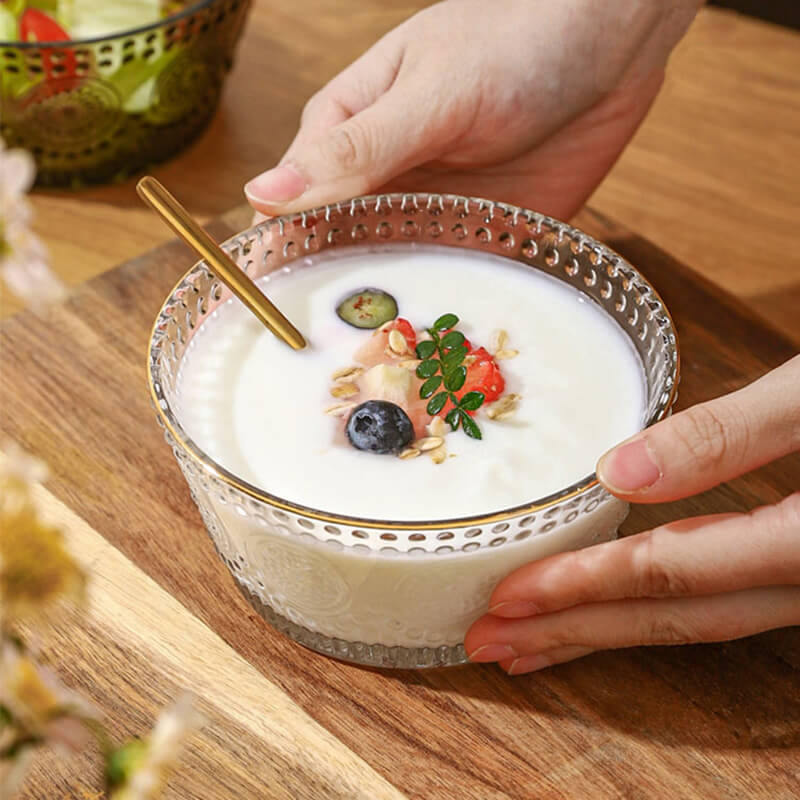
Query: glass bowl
[[98, 110], [381, 592]]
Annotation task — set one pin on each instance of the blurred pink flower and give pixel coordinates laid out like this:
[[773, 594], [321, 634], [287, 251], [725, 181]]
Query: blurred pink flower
[[23, 258]]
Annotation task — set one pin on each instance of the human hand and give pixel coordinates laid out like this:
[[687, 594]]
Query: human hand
[[709, 578], [529, 102]]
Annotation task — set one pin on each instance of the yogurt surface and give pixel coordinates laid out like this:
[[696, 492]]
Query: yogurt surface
[[257, 407]]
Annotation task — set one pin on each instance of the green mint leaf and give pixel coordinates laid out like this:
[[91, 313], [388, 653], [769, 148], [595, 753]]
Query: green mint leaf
[[453, 339], [470, 426], [472, 401], [437, 403], [445, 322], [430, 386], [427, 368], [453, 418], [426, 349], [453, 358], [454, 380]]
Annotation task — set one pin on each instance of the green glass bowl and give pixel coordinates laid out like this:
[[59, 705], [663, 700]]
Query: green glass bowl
[[98, 110]]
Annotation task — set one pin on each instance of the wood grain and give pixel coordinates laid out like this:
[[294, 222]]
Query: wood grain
[[716, 721], [713, 176], [135, 637]]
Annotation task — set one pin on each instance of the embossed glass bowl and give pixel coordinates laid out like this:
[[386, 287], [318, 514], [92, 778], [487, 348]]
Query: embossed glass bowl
[[97, 110], [380, 592]]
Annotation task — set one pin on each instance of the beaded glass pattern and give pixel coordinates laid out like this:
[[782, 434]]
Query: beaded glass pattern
[[98, 110], [378, 592]]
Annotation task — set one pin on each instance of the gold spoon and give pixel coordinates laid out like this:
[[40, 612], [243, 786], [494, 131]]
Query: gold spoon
[[179, 219]]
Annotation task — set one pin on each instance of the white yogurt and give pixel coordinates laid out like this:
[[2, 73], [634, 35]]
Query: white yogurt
[[256, 407]]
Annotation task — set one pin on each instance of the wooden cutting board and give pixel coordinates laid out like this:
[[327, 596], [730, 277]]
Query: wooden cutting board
[[713, 721]]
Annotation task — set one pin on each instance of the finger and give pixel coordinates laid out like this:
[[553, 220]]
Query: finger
[[330, 142], [360, 154], [710, 442], [627, 623], [700, 556], [355, 88]]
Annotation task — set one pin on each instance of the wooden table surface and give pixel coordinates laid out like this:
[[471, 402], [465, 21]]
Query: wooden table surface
[[712, 177], [700, 723]]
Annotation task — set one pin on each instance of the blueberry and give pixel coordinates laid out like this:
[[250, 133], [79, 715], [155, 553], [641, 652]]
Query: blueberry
[[379, 427]]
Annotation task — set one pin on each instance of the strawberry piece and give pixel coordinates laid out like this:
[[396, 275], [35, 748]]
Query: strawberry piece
[[483, 376], [407, 329], [36, 26], [373, 351], [60, 66]]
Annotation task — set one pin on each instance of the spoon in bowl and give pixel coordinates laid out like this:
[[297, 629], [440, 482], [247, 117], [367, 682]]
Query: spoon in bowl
[[179, 219]]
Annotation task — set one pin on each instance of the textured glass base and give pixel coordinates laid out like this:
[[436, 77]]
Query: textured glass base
[[368, 655]]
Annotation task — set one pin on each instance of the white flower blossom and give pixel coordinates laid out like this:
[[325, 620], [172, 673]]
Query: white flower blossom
[[17, 172], [20, 465], [23, 258]]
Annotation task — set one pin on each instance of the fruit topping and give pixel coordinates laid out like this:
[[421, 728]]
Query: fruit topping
[[378, 426], [384, 382], [405, 329], [483, 375], [397, 385], [408, 404], [367, 308], [394, 340]]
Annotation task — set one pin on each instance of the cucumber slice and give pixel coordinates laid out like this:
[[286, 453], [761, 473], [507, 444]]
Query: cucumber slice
[[367, 308]]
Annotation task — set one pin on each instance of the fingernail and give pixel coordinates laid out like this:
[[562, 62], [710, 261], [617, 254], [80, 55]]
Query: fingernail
[[277, 185], [514, 608], [492, 652], [629, 468], [529, 664]]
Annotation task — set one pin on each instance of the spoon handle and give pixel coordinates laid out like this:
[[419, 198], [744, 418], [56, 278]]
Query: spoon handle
[[179, 219]]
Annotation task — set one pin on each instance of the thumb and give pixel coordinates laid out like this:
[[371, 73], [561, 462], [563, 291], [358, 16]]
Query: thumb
[[709, 443], [354, 157]]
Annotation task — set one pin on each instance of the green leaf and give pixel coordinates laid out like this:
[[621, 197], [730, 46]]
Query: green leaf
[[425, 349], [430, 386], [453, 339], [427, 368], [453, 358], [453, 418], [472, 401], [454, 380], [445, 322], [470, 426], [437, 404]]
